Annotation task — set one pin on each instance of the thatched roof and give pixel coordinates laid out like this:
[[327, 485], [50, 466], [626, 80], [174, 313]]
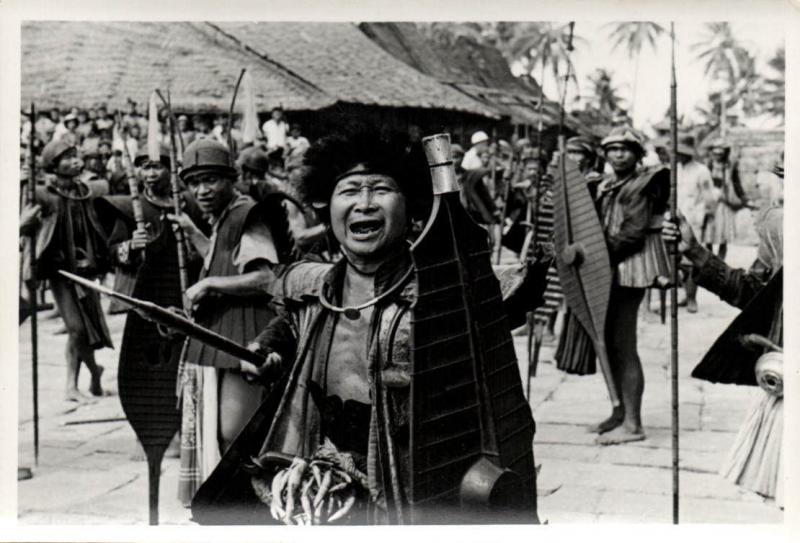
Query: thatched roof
[[82, 64], [342, 61], [300, 66], [477, 70]]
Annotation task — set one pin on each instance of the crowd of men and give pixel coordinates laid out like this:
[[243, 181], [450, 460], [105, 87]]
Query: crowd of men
[[300, 251]]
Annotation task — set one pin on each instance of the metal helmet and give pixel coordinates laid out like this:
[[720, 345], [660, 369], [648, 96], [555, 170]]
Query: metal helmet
[[627, 136], [254, 159], [205, 155], [581, 144], [52, 151]]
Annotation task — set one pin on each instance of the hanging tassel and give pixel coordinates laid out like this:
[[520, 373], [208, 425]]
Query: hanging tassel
[[153, 130]]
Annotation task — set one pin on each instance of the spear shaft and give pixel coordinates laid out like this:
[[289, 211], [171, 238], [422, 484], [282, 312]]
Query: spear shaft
[[133, 183], [230, 110], [176, 195], [673, 204], [31, 197]]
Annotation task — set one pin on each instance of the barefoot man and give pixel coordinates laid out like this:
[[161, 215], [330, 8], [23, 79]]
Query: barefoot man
[[628, 199], [70, 238]]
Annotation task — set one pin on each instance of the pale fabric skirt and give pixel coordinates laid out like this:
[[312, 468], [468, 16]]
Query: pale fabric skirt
[[755, 462], [200, 451], [722, 227], [643, 269]]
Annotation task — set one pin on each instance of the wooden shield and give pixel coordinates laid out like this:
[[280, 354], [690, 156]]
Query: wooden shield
[[582, 260], [467, 400]]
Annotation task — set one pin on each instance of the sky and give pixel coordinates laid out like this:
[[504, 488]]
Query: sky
[[652, 94]]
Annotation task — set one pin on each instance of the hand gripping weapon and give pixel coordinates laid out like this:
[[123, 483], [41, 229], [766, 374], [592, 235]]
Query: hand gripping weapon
[[172, 319], [133, 183], [147, 392], [582, 257], [175, 188]]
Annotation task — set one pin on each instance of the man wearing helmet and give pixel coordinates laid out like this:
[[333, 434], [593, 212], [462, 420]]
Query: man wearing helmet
[[218, 397], [70, 238], [631, 203]]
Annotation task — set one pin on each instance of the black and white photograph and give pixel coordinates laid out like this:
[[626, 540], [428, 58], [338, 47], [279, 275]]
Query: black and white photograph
[[393, 270]]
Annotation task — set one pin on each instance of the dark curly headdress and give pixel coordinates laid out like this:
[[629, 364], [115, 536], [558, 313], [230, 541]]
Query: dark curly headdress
[[332, 156]]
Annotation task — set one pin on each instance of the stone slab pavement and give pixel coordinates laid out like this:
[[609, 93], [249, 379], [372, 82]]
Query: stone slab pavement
[[91, 471]]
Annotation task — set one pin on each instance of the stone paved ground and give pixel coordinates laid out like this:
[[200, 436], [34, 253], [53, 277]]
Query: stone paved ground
[[87, 473]]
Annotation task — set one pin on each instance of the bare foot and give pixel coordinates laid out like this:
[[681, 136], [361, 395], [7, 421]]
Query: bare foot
[[73, 395], [620, 435], [96, 388], [609, 424]]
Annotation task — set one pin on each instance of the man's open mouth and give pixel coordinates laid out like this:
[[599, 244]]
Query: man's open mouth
[[366, 228]]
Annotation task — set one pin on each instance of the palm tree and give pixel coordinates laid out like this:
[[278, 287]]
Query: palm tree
[[773, 93], [543, 46], [725, 60], [604, 91], [634, 36]]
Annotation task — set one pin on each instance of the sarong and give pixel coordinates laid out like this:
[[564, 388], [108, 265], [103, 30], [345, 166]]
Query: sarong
[[200, 452], [81, 311]]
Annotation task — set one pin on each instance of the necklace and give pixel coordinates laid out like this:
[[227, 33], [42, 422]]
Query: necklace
[[156, 200], [354, 312]]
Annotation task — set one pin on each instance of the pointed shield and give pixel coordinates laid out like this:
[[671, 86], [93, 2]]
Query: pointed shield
[[584, 267], [471, 430]]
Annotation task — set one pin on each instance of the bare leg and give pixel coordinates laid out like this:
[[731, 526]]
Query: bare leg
[[691, 294], [617, 413], [96, 387], [73, 368], [238, 400], [626, 365]]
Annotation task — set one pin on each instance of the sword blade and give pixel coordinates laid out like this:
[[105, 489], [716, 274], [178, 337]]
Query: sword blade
[[172, 320]]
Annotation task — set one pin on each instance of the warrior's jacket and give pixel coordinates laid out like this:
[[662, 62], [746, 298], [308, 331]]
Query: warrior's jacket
[[238, 318], [302, 333], [70, 236], [631, 210]]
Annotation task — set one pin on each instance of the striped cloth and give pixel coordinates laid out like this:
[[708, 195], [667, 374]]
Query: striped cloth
[[553, 294]]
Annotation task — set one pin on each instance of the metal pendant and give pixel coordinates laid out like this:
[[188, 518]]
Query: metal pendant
[[352, 313]]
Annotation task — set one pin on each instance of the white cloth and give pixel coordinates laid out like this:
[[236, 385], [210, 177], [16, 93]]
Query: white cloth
[[472, 160], [59, 131], [297, 145], [276, 132], [208, 421], [256, 243]]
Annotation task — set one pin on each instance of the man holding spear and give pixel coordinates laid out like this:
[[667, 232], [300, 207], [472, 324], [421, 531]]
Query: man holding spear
[[228, 299], [70, 237]]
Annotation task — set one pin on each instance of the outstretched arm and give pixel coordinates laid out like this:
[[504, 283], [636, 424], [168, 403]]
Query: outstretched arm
[[734, 286]]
